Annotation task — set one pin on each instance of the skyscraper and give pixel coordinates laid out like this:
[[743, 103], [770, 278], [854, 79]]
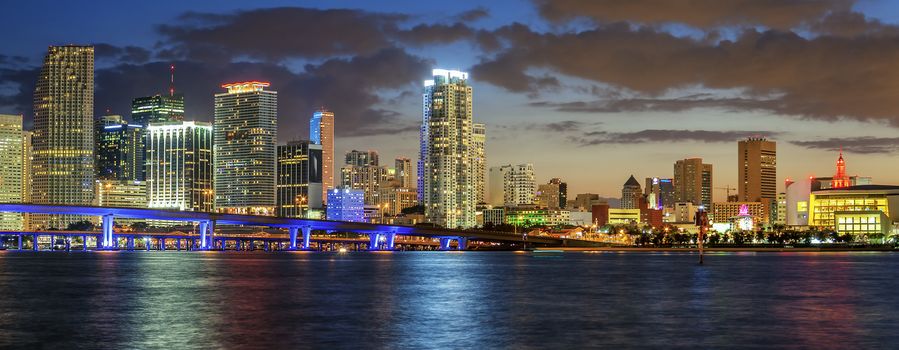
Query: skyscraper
[[157, 108], [448, 188], [513, 185], [345, 204], [63, 141], [321, 132], [659, 193], [631, 194], [179, 166], [693, 182], [404, 173], [245, 132], [299, 178], [120, 150], [757, 172], [11, 169], [362, 158], [479, 142]]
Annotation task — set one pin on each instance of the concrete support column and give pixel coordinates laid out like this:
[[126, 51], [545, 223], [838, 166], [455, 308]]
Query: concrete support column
[[147, 241], [391, 238], [84, 242], [373, 240], [107, 226], [307, 236], [445, 244], [20, 241], [178, 244], [68, 243], [463, 243], [293, 237], [34, 245], [130, 243]]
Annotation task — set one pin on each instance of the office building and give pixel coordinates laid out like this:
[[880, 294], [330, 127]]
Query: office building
[[361, 158], [245, 132], [527, 217], [512, 185], [120, 193], [447, 172], [321, 132], [392, 200], [552, 195], [693, 182], [63, 140], [862, 211], [299, 178], [631, 194], [404, 173], [781, 212], [157, 108], [345, 204], [659, 192], [11, 169], [479, 142], [179, 166], [367, 178], [734, 212], [120, 150], [757, 172]]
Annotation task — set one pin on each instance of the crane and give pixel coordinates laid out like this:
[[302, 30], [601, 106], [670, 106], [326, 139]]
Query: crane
[[726, 188]]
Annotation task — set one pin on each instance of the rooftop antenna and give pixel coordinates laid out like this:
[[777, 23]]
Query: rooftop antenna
[[172, 81]]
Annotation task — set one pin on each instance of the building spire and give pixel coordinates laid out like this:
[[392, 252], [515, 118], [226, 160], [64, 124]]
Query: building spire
[[172, 81]]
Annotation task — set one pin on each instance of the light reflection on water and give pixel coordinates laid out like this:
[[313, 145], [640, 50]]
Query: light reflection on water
[[441, 300]]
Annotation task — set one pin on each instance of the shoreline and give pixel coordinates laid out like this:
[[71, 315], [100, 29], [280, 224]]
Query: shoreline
[[721, 249]]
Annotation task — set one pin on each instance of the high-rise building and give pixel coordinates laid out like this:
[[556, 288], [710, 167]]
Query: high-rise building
[[120, 150], [392, 199], [631, 193], [157, 108], [63, 141], [448, 186], [299, 178], [513, 185], [757, 173], [245, 131], [321, 132], [367, 178], [552, 195], [563, 192], [179, 166], [479, 142], [11, 169], [693, 182], [26, 175], [345, 204], [404, 173], [120, 193], [362, 158], [659, 193]]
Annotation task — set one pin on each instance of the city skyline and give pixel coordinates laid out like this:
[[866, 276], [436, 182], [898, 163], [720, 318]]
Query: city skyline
[[545, 108]]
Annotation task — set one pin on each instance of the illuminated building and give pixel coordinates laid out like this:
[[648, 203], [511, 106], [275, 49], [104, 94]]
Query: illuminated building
[[479, 143], [447, 168], [857, 210], [367, 178], [840, 179], [537, 217], [684, 212], [585, 201], [549, 195], [392, 200], [345, 204], [321, 132], [63, 140], [299, 178], [781, 209], [120, 150], [757, 172], [157, 108], [631, 193], [404, 173], [11, 169], [797, 197], [659, 193], [495, 216], [736, 213], [26, 175], [120, 194], [361, 158], [245, 132], [604, 215], [512, 185], [693, 182], [179, 166]]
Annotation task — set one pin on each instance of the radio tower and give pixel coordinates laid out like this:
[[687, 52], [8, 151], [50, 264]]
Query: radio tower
[[172, 81]]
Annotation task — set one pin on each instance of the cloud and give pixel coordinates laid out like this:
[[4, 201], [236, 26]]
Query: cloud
[[863, 145], [825, 77], [617, 105], [778, 14], [473, 14], [659, 135], [131, 54]]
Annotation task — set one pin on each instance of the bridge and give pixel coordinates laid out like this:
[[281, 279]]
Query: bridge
[[381, 236]]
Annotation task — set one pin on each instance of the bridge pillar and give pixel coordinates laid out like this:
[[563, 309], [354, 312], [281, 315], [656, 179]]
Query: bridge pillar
[[391, 238], [207, 230], [34, 245], [161, 243], [445, 243], [293, 230], [147, 243], [462, 243], [130, 243], [307, 237], [178, 244], [106, 225], [68, 243], [374, 239], [20, 241]]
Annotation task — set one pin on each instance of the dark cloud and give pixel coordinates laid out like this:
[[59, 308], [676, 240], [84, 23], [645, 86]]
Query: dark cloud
[[6, 60], [779, 14], [864, 145], [17, 89], [129, 54], [473, 14], [657, 136], [424, 34], [617, 105], [826, 77]]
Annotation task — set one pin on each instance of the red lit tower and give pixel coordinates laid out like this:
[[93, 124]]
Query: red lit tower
[[840, 180]]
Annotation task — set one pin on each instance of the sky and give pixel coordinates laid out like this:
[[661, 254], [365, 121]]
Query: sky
[[588, 91]]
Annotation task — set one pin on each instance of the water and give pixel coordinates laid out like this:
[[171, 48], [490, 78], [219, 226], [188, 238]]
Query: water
[[447, 300]]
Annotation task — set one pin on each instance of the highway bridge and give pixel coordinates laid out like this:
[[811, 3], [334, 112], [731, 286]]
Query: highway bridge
[[299, 230]]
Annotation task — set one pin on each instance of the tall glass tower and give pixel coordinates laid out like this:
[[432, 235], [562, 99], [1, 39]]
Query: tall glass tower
[[179, 166], [321, 132], [245, 131], [11, 169], [157, 108], [448, 164], [63, 140]]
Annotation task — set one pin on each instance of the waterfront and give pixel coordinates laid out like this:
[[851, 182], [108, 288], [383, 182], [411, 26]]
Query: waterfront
[[446, 300]]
